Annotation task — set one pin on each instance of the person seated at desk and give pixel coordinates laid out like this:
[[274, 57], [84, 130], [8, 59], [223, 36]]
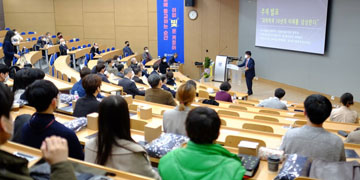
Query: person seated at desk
[[93, 70], [133, 63], [201, 158], [172, 59], [43, 94], [88, 104], [95, 50], [128, 85], [100, 69], [353, 137], [223, 94], [143, 70], [48, 39], [170, 78], [146, 55], [155, 69], [78, 88], [174, 120], [127, 50], [157, 95], [137, 76], [312, 140], [345, 114], [275, 102], [110, 67], [164, 87], [120, 68], [113, 146], [63, 47], [4, 73], [54, 149], [23, 78], [163, 66], [192, 82], [8, 48], [58, 37]]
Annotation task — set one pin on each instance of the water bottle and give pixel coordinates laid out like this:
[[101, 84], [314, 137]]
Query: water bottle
[[76, 95], [234, 98], [175, 87]]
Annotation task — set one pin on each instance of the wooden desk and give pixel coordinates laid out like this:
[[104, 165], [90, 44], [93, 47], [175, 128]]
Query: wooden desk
[[109, 55], [78, 53], [62, 66], [1, 52], [50, 50], [60, 84], [127, 59], [12, 147], [33, 57], [3, 33], [28, 45], [151, 63]]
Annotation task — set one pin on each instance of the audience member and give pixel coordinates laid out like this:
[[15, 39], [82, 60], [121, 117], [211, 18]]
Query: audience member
[[113, 147], [58, 37], [223, 94], [170, 78], [54, 149], [156, 94], [312, 140], [164, 87], [95, 50], [163, 66], [353, 137], [93, 70], [8, 48], [63, 47], [127, 50], [23, 78], [48, 39], [4, 73], [155, 69], [274, 102], [111, 67], [192, 82], [78, 88], [43, 94], [134, 63], [121, 69], [128, 85], [345, 114], [146, 55], [100, 69], [201, 158], [137, 76], [172, 59], [174, 120], [88, 104]]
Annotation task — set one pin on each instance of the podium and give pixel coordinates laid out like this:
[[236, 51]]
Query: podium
[[223, 69]]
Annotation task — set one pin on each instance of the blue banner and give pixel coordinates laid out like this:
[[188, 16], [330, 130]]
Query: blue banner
[[170, 16]]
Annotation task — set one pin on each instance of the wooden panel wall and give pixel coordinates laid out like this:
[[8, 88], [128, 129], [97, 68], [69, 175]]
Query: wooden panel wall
[[111, 22], [215, 30]]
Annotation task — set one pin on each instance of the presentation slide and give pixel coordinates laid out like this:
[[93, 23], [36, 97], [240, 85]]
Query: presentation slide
[[298, 25]]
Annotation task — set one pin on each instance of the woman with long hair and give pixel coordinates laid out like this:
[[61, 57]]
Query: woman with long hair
[[113, 147], [8, 48], [174, 120]]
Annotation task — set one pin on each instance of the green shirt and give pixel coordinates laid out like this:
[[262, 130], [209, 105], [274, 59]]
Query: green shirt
[[201, 161]]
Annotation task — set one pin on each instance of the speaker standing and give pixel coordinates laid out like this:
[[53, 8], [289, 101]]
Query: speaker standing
[[249, 65]]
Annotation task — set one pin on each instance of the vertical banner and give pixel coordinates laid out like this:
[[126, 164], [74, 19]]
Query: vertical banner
[[170, 16]]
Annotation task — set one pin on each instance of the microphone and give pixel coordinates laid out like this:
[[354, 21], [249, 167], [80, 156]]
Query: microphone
[[223, 50]]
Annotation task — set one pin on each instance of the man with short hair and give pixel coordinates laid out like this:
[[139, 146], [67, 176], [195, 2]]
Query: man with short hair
[[4, 73], [120, 68], [344, 113], [43, 95], [312, 140], [202, 158], [134, 63], [93, 70], [157, 95], [100, 69], [78, 85], [172, 59], [54, 149], [275, 102], [155, 69], [136, 78], [127, 50], [249, 65], [128, 85]]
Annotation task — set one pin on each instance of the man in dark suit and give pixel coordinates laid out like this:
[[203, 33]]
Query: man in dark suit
[[249, 65], [155, 69], [63, 48], [127, 50], [100, 69], [136, 78], [128, 85], [95, 50], [172, 59]]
